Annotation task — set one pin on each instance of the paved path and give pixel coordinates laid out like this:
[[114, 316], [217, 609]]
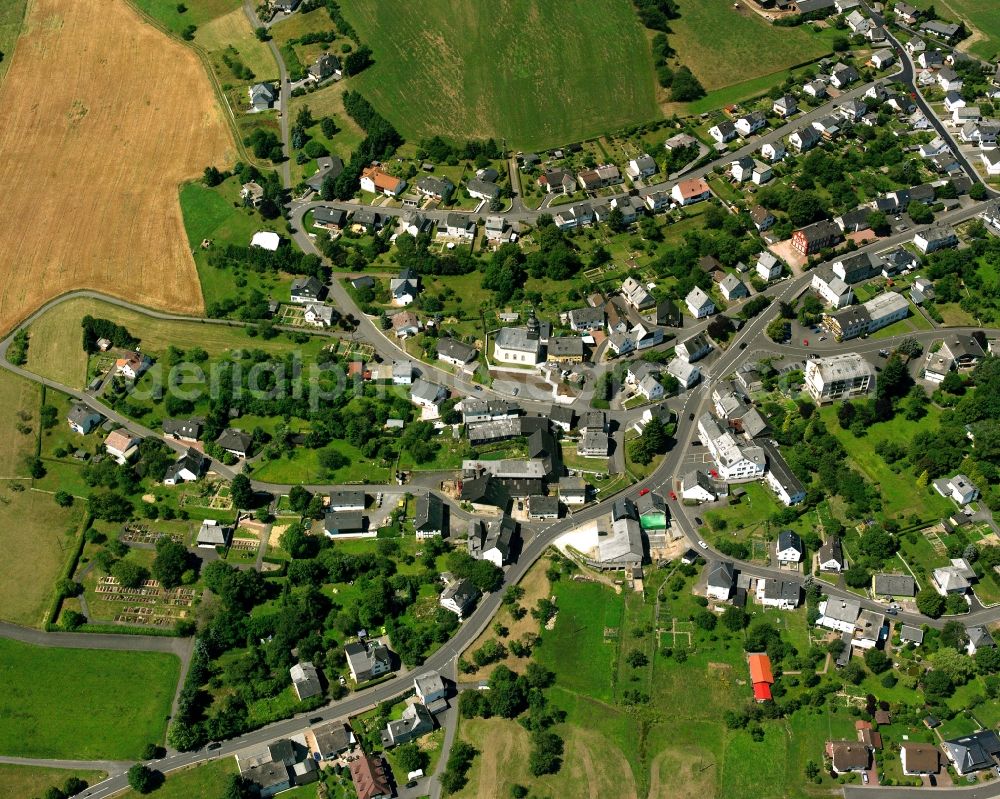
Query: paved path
[[110, 767]]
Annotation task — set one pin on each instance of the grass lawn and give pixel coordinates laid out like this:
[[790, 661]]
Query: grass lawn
[[38, 537], [27, 781], [748, 517], [83, 704], [217, 214], [207, 779], [711, 37], [198, 11], [460, 69], [232, 30], [915, 322], [900, 493], [981, 16], [21, 399], [58, 354], [11, 17], [303, 467]]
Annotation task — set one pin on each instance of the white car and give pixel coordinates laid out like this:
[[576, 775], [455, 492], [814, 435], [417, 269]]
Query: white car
[[702, 544]]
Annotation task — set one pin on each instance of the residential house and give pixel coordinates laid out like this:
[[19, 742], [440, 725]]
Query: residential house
[[768, 266], [954, 579], [415, 721], [587, 318], [132, 366], [318, 315], [843, 75], [949, 80], [848, 756], [557, 181], [306, 290], [457, 226], [694, 347], [780, 477], [331, 219], [972, 753], [721, 577], [482, 189], [734, 462], [347, 524], [574, 216], [935, 237], [665, 314], [772, 152], [790, 548], [189, 467], [262, 96], [691, 191], [881, 59], [742, 169], [683, 371], [332, 739], [430, 689], [252, 194], [636, 294], [855, 267], [852, 110], [455, 352], [723, 132], [437, 188], [305, 680], [496, 229], [542, 507], [804, 139], [426, 394], [235, 442], [978, 638], [572, 490], [919, 759], [840, 615], [376, 180], [622, 548], [837, 377], [459, 596], [404, 324], [894, 585], [761, 173], [781, 594], [492, 540], [762, 218], [991, 162], [815, 89], [833, 290], [122, 446], [699, 303], [831, 556], [942, 30], [748, 124], [658, 201], [817, 236], [732, 288], [371, 776], [785, 106], [696, 485], [905, 13], [327, 166], [428, 517], [958, 488], [367, 660], [325, 66], [641, 166]]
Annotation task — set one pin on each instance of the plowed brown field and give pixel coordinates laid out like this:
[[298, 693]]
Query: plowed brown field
[[101, 117]]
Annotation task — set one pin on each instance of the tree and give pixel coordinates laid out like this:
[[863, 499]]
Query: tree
[[877, 661], [546, 753], [170, 563], [64, 499], [734, 618], [685, 87], [636, 659], [854, 672], [141, 778], [953, 635], [958, 666], [411, 758], [72, 620], [977, 192], [129, 574], [241, 492], [930, 602], [920, 213], [987, 659]]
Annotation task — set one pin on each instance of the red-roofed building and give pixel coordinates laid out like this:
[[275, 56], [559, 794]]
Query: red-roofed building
[[691, 191], [761, 676], [376, 180], [761, 692]]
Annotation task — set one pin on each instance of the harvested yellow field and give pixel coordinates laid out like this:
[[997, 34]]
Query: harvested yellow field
[[101, 118]]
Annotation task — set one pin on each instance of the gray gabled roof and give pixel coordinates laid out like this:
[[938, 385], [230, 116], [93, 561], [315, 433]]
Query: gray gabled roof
[[721, 574]]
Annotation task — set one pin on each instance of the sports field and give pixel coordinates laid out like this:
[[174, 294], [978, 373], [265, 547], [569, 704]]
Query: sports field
[[101, 117], [83, 704], [537, 73], [723, 44]]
